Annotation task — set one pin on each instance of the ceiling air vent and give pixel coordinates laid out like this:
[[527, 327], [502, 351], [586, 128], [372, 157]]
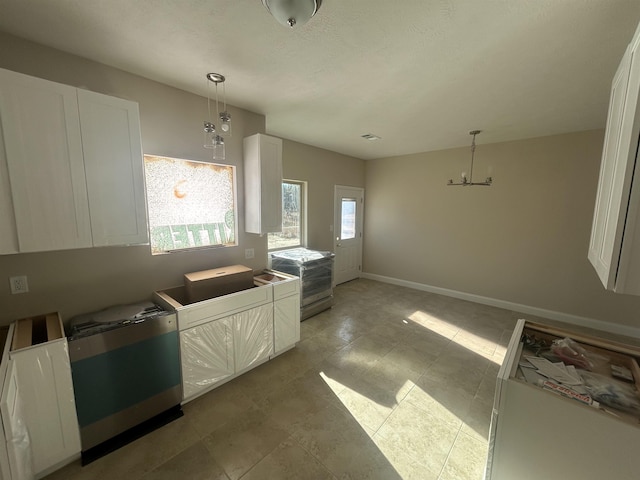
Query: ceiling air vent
[[370, 136]]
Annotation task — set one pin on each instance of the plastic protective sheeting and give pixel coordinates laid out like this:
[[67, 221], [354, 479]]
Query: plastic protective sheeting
[[286, 323], [17, 454], [207, 356], [46, 391], [253, 336], [314, 268]]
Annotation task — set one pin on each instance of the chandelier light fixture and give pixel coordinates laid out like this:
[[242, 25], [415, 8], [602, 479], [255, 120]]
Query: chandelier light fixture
[[464, 181], [214, 138], [292, 12]]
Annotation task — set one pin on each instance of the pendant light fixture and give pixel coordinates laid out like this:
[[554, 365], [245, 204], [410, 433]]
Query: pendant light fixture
[[464, 181], [292, 12], [214, 138]]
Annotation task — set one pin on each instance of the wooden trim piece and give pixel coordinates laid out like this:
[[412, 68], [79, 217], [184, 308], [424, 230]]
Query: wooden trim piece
[[54, 326], [22, 334]]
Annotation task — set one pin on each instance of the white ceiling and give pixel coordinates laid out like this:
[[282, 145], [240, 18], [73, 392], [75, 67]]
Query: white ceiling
[[418, 73]]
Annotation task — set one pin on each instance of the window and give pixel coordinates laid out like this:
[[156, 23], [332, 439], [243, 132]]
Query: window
[[348, 219], [293, 213], [191, 204]]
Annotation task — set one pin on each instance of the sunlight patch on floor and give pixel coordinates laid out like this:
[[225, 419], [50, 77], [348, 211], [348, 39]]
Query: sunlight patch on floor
[[472, 342], [423, 418]]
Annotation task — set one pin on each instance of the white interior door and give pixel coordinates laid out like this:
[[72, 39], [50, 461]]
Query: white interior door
[[348, 211]]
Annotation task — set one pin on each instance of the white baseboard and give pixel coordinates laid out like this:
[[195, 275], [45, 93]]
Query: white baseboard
[[540, 312]]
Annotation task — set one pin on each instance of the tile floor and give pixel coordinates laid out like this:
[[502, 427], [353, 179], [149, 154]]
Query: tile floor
[[391, 383]]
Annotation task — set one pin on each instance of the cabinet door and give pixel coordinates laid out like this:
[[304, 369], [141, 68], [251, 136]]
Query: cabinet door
[[17, 455], [41, 132], [8, 234], [46, 390], [253, 336], [613, 186], [614, 245], [206, 354], [286, 323], [628, 276], [263, 184], [114, 170]]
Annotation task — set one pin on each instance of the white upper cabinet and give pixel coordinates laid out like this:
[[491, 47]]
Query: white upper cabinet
[[70, 168], [262, 184], [8, 234], [614, 247], [114, 171], [41, 132]]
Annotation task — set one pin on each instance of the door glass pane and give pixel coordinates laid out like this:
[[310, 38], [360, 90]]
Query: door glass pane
[[348, 219]]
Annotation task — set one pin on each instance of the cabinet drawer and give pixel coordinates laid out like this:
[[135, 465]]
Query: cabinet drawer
[[194, 314], [286, 288], [284, 285]]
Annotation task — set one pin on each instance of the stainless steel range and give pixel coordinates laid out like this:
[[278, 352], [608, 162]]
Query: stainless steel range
[[315, 270], [125, 365]]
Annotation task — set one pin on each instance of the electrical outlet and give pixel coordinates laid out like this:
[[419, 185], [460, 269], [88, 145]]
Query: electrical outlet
[[19, 284], [249, 253]]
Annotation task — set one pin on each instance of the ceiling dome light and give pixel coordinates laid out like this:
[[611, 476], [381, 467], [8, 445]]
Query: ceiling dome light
[[292, 12]]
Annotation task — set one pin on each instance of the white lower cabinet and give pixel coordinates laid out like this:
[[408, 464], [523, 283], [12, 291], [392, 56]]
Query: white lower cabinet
[[223, 337], [538, 433], [286, 323], [253, 337], [206, 353], [15, 452], [46, 389], [286, 308]]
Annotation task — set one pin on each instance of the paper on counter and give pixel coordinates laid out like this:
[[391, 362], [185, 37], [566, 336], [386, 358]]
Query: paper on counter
[[549, 370]]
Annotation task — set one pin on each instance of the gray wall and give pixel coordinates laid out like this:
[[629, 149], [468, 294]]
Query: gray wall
[[523, 240], [322, 170], [78, 281]]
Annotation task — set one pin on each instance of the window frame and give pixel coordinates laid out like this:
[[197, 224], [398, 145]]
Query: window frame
[[234, 186], [303, 216]]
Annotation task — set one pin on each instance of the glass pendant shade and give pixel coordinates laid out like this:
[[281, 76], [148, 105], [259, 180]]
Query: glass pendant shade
[[209, 134], [212, 136], [218, 148], [292, 12], [225, 124]]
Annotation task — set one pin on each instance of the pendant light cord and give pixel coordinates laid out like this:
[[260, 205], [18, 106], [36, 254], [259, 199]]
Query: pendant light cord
[[209, 99]]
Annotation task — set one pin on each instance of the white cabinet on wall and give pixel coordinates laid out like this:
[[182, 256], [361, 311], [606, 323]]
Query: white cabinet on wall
[[8, 234], [43, 147], [614, 248], [262, 184], [70, 168], [113, 166]]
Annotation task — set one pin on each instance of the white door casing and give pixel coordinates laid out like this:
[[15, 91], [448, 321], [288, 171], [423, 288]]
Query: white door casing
[[347, 232]]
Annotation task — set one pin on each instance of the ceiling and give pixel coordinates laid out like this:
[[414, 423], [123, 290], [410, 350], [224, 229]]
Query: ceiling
[[418, 73]]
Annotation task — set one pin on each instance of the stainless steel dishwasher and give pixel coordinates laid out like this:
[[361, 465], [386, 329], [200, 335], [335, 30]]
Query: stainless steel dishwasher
[[125, 365]]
